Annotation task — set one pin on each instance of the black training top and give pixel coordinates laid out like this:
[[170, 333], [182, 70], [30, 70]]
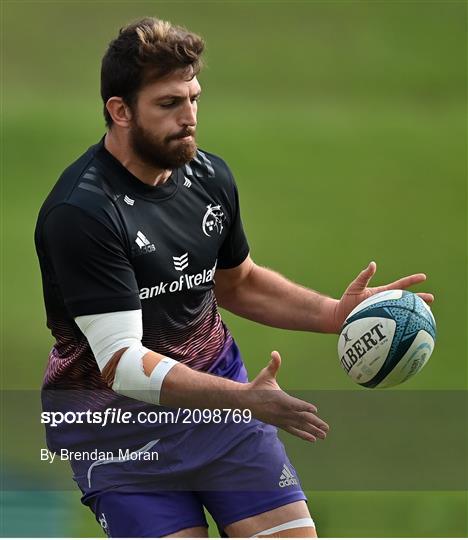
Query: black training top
[[108, 242]]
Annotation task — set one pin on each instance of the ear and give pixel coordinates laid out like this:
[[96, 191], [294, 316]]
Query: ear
[[119, 111]]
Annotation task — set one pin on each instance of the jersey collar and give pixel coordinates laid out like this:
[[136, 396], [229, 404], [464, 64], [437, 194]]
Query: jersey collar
[[121, 176]]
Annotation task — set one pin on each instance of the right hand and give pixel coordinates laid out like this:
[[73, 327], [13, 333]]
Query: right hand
[[272, 405]]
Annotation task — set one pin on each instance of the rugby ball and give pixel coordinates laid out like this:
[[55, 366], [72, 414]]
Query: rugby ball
[[387, 339]]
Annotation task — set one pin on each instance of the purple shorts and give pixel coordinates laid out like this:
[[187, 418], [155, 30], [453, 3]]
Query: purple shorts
[[232, 473], [234, 470]]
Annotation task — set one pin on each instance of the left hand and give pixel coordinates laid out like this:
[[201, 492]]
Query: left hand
[[358, 291]]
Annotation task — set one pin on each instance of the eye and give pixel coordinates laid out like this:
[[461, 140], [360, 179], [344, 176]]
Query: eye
[[167, 105]]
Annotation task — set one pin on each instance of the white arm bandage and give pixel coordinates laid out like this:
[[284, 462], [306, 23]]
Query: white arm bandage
[[108, 333]]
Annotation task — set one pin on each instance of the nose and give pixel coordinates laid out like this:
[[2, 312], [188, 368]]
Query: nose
[[189, 115]]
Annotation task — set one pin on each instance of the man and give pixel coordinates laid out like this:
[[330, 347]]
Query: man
[[139, 242]]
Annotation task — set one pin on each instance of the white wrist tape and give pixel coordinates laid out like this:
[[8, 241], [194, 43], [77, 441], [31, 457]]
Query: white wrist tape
[[159, 373], [130, 379]]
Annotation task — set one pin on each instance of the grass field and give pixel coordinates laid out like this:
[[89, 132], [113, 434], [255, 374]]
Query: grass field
[[345, 125]]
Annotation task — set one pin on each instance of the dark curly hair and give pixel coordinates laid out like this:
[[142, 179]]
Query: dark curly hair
[[143, 52]]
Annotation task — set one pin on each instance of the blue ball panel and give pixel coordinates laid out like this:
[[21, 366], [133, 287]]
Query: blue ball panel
[[419, 322], [421, 310]]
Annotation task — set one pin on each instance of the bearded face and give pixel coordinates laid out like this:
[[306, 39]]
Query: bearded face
[[164, 152], [163, 121]]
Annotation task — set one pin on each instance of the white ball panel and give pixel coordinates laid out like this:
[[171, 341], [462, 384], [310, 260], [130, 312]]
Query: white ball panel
[[412, 362], [374, 299], [364, 345]]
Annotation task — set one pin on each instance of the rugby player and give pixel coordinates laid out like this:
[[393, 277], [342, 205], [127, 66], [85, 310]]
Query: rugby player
[[139, 242]]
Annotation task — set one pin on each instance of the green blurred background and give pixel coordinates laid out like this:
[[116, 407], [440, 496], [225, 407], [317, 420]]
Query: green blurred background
[[345, 125]]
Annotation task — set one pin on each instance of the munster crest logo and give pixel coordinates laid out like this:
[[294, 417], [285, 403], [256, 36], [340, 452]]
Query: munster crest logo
[[213, 220]]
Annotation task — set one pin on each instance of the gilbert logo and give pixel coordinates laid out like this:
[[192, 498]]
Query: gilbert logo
[[362, 345], [181, 263], [213, 220], [346, 337]]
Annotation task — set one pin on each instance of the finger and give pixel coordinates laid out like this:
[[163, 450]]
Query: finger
[[301, 434], [306, 418], [427, 297], [303, 406], [361, 282], [274, 364], [317, 432], [276, 357], [316, 422], [405, 282], [310, 428]]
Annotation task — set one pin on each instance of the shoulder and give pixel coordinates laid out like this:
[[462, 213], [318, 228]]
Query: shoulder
[[81, 191], [208, 166], [214, 176]]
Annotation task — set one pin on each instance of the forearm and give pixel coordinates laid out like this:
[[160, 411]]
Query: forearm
[[183, 386], [269, 298]]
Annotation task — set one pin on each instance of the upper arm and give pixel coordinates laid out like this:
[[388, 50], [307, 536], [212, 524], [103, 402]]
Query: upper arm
[[228, 280], [235, 248], [89, 266]]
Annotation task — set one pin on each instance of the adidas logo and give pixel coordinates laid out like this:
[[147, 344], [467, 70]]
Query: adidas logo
[[187, 183], [144, 244], [129, 201], [287, 478], [103, 522], [181, 263], [141, 240]]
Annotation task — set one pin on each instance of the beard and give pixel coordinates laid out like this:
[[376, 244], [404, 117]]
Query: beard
[[168, 153]]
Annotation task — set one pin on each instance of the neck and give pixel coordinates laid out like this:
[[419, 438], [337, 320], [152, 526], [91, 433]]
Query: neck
[[119, 147]]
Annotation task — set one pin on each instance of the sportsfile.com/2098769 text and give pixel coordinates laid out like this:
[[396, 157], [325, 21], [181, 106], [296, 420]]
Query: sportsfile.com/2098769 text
[[118, 416]]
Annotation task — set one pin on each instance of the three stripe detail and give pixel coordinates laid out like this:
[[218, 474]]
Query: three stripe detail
[[181, 263]]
